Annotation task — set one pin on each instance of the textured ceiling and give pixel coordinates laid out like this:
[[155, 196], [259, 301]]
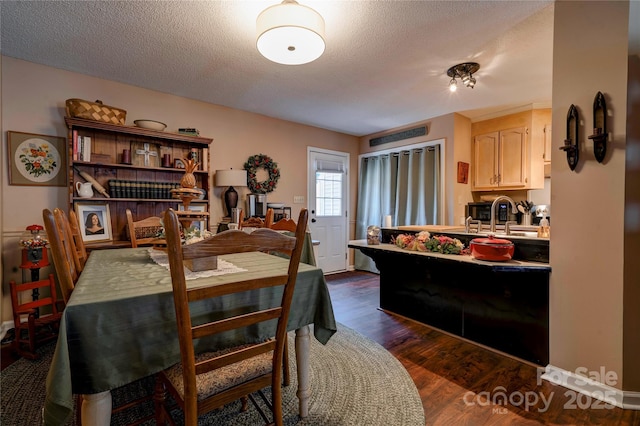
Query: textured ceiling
[[384, 66]]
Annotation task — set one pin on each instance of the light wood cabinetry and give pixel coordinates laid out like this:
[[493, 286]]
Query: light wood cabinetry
[[508, 151], [147, 186], [500, 159], [547, 150]]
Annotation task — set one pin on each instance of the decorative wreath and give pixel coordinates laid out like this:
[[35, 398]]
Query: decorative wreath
[[261, 161]]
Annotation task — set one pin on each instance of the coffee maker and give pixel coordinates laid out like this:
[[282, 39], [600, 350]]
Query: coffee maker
[[256, 205]]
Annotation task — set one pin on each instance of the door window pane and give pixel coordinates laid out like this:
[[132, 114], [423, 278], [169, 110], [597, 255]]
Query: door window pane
[[328, 194]]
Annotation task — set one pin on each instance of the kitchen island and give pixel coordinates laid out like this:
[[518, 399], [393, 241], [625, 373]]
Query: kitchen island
[[502, 305]]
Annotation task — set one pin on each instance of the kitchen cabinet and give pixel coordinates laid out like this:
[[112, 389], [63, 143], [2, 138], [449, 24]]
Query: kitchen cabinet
[[502, 305], [547, 150], [509, 151], [500, 159], [140, 179]]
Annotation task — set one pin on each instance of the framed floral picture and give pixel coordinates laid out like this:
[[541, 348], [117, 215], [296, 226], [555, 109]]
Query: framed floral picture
[[37, 160], [95, 221]]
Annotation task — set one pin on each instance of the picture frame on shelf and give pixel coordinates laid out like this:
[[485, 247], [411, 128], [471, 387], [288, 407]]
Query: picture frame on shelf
[[178, 164], [198, 224], [36, 160], [95, 221]]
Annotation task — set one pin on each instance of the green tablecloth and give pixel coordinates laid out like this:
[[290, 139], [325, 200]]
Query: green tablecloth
[[119, 325]]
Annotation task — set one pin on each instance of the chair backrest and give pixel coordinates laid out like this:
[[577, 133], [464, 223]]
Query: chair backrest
[[62, 253], [268, 219], [144, 231], [252, 222], [77, 238], [233, 241], [285, 224], [65, 226], [258, 222], [23, 308]]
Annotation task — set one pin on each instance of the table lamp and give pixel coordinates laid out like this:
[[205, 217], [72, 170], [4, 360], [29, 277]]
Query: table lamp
[[231, 178]]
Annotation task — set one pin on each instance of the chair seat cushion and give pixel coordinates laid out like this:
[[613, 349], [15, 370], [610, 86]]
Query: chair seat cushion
[[218, 380]]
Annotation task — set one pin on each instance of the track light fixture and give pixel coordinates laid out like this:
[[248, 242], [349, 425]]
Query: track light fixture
[[464, 72]]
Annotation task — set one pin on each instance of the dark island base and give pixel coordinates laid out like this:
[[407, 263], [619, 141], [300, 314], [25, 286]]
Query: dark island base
[[505, 310]]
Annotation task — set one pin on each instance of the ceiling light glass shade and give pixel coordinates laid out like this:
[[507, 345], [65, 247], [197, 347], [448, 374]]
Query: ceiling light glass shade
[[471, 82], [453, 85], [290, 33]]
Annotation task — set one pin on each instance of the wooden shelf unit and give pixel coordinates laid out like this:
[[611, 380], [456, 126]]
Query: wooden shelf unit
[[107, 144]]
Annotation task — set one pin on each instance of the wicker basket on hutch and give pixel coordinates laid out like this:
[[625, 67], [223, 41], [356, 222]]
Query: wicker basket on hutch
[[79, 108]]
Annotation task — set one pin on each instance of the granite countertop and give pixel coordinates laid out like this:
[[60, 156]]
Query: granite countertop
[[511, 265]]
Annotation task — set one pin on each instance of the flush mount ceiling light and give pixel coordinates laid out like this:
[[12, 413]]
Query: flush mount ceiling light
[[290, 33], [464, 72]]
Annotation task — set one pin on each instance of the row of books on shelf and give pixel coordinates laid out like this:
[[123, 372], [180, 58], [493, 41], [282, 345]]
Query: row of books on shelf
[[81, 147], [189, 131], [119, 188]]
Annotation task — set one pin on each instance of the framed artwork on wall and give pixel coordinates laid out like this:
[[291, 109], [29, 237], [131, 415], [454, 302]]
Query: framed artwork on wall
[[36, 160], [95, 221], [463, 172]]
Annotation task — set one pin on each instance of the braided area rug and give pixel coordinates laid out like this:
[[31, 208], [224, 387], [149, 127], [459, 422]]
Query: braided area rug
[[354, 381]]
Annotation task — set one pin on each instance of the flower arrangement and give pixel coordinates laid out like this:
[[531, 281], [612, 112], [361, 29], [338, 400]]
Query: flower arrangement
[[261, 161], [423, 241], [187, 236], [193, 235], [38, 160]]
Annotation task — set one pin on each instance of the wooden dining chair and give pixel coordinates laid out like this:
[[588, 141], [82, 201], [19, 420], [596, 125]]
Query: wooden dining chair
[[35, 321], [66, 225], [285, 224], [268, 219], [258, 222], [144, 232], [74, 224], [204, 381], [62, 251]]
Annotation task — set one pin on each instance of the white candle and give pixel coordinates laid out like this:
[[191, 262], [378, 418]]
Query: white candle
[[387, 221]]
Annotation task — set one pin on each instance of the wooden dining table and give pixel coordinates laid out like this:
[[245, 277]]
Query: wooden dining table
[[119, 325]]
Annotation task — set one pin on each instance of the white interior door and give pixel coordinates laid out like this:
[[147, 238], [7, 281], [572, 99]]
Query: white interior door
[[327, 204]]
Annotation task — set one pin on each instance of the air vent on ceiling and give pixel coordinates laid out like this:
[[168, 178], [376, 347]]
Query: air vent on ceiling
[[394, 137]]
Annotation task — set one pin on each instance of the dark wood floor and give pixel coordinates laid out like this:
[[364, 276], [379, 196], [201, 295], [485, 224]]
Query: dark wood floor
[[454, 376]]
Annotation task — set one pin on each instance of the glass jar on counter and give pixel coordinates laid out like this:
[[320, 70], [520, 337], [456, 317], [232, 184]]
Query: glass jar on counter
[[373, 235]]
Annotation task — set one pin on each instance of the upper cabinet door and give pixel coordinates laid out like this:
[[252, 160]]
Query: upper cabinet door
[[500, 160], [513, 158], [485, 165]]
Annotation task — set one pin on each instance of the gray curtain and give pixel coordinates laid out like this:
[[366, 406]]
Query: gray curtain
[[405, 185]]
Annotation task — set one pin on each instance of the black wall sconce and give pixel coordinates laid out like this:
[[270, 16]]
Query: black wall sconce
[[571, 146], [600, 134]]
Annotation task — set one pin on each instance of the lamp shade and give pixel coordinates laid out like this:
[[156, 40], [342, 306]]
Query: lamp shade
[[290, 33], [231, 177]]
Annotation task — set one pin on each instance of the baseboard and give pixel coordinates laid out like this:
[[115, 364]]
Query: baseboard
[[591, 388], [4, 327]]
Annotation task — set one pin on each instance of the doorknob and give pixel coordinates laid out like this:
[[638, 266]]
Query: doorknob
[[313, 221]]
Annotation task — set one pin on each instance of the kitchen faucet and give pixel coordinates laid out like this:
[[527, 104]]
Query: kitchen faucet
[[492, 224]]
